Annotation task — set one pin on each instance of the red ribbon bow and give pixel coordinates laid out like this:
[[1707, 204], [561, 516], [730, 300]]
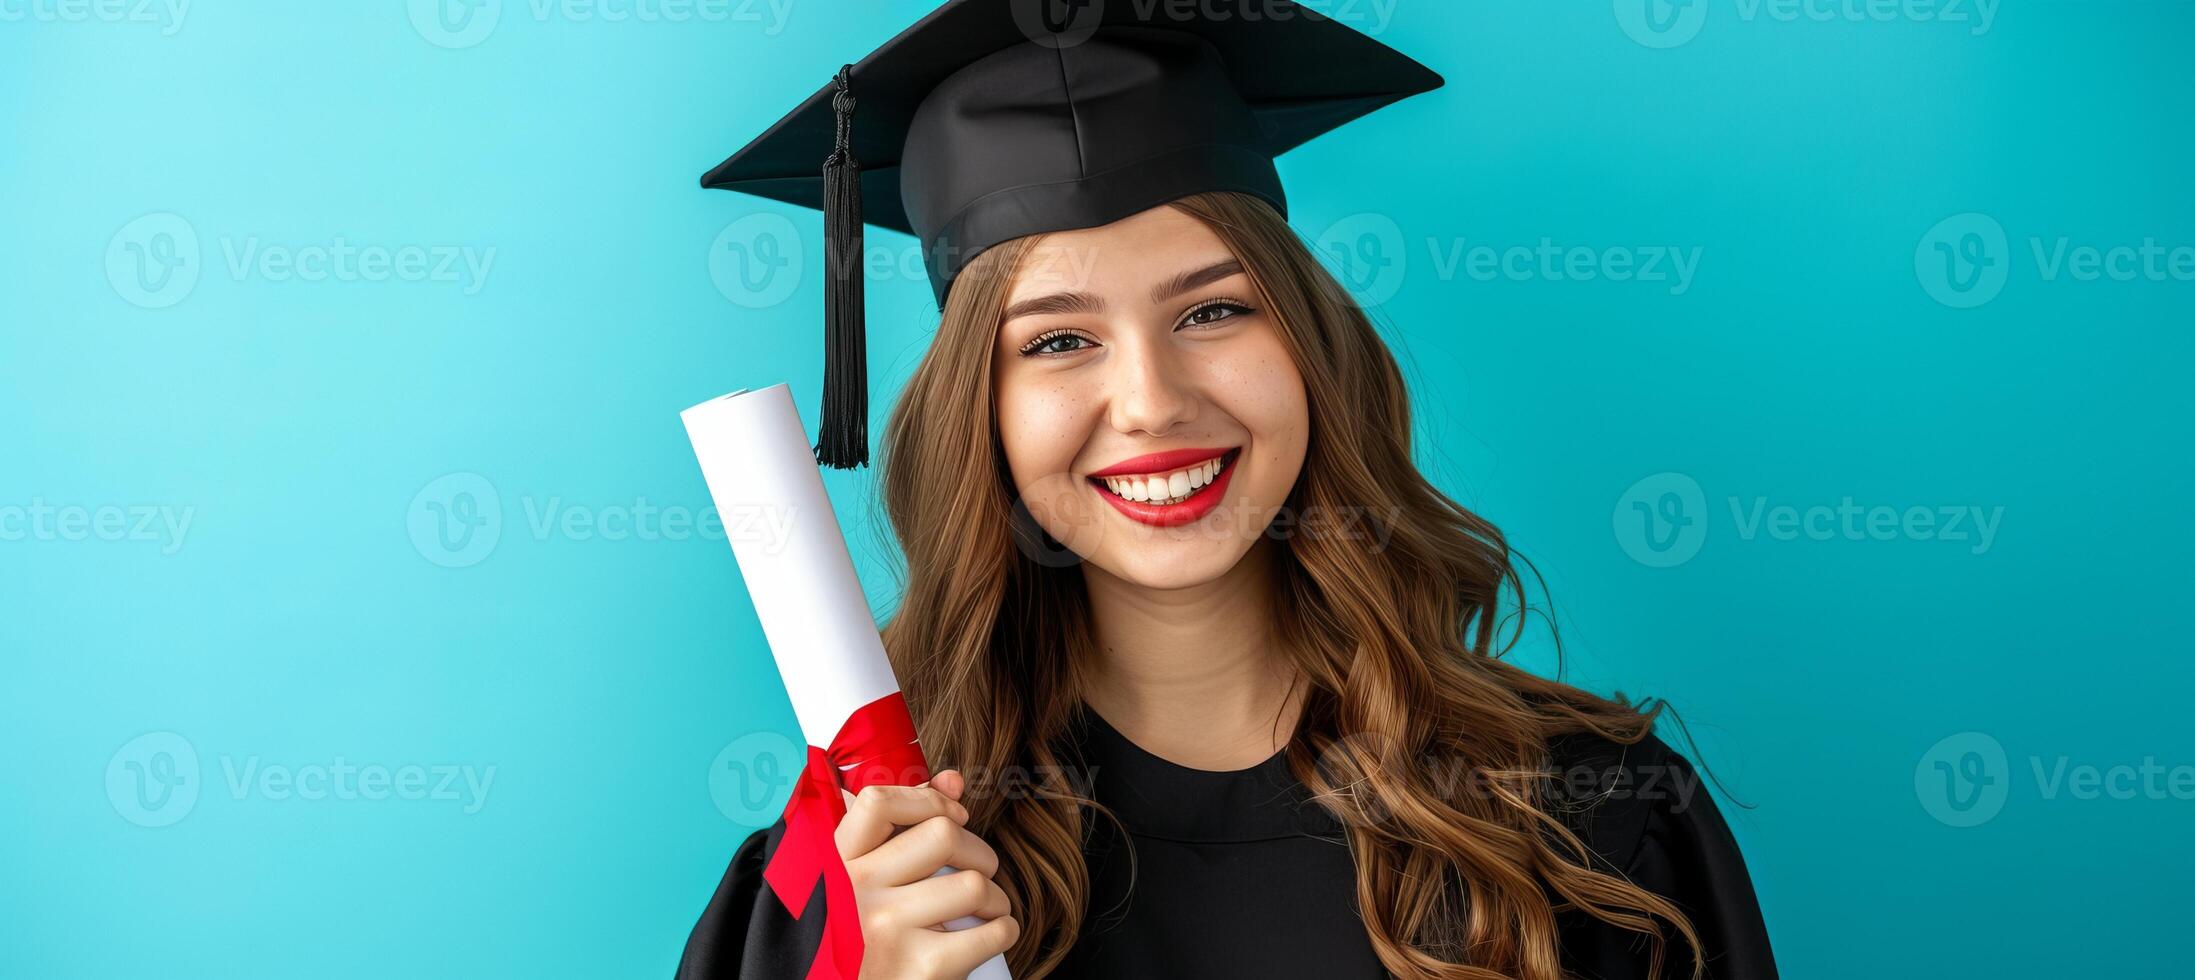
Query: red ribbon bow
[[875, 746]]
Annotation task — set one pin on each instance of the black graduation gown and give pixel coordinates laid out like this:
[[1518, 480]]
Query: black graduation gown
[[1239, 875]]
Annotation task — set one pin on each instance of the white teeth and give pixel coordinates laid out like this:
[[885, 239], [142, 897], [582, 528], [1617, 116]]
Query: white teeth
[[1167, 488]]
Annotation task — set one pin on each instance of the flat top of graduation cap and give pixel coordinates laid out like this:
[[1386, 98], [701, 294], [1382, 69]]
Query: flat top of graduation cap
[[984, 121], [989, 120]]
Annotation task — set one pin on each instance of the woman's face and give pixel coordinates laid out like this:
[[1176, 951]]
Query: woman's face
[[1152, 417]]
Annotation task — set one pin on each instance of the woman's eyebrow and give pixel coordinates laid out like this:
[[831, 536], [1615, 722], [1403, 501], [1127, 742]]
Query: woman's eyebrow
[[1054, 303], [1190, 280], [1079, 302]]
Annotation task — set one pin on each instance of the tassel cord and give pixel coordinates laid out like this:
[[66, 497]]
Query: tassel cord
[[843, 441]]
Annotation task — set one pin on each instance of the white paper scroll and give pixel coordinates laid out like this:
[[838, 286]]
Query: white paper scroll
[[764, 479]]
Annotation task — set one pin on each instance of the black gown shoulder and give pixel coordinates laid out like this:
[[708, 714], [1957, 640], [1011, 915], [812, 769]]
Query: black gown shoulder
[[745, 933], [1645, 811], [1642, 809]]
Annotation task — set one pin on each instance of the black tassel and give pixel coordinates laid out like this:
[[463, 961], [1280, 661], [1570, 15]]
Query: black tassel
[[843, 442]]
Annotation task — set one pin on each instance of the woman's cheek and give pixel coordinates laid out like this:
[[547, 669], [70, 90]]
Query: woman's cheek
[[1039, 429], [1038, 425], [1262, 389]]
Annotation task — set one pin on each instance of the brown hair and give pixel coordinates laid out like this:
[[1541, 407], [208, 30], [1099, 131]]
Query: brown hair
[[1399, 648]]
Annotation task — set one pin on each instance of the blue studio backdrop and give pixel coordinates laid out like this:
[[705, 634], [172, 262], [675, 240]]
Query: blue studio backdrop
[[364, 613]]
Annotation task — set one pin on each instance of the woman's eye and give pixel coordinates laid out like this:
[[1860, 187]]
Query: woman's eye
[[1063, 343], [1213, 313]]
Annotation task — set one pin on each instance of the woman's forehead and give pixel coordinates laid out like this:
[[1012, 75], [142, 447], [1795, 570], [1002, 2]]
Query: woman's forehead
[[1129, 256]]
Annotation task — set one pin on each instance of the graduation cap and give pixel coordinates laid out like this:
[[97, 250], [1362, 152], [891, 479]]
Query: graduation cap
[[989, 120]]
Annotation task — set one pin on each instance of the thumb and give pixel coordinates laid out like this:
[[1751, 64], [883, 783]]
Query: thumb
[[951, 783]]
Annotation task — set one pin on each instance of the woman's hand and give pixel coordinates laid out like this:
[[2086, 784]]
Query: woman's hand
[[893, 839]]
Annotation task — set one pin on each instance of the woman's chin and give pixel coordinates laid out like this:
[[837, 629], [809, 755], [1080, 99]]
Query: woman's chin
[[1162, 566]]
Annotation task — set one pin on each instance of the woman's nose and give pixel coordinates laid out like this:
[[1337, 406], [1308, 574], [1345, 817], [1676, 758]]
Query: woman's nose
[[1152, 390]]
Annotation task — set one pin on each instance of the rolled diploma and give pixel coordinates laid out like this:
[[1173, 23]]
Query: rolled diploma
[[761, 472]]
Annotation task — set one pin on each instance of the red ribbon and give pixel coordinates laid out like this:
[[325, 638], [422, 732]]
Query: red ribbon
[[875, 746]]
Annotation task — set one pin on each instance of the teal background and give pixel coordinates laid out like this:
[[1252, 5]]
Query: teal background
[[313, 610]]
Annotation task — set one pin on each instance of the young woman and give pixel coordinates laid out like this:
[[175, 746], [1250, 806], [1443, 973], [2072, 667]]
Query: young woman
[[1214, 672]]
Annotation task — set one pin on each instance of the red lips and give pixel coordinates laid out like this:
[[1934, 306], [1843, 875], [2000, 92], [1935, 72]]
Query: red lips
[[1172, 459], [1194, 506]]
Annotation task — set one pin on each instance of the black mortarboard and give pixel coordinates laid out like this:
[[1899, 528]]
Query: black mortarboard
[[989, 120]]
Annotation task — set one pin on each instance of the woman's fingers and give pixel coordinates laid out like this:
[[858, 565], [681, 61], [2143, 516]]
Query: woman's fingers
[[916, 866], [876, 811], [955, 954], [935, 901], [950, 782], [919, 851]]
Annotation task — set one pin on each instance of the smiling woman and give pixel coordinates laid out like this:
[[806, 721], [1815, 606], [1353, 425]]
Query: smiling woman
[[1189, 730], [1183, 359], [1215, 703]]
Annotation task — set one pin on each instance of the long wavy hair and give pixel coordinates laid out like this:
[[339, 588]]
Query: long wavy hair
[[1400, 647]]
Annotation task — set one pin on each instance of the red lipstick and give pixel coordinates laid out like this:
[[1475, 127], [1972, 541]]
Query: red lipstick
[[1172, 459], [1188, 509]]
